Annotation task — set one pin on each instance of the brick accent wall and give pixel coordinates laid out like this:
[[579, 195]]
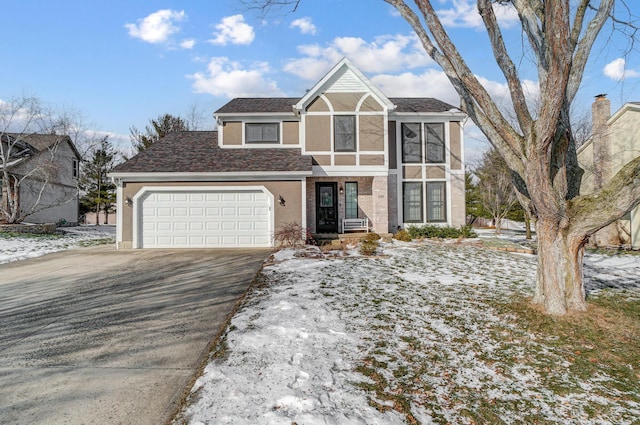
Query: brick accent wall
[[380, 198], [458, 204]]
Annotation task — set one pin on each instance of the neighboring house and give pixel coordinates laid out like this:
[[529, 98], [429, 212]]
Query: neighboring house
[[343, 151], [615, 142], [48, 167]]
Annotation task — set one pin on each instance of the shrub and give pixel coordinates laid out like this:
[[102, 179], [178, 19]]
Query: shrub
[[402, 235], [290, 235], [443, 232], [368, 247], [371, 237]]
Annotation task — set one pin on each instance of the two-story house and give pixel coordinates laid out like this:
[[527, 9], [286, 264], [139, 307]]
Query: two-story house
[[43, 171], [614, 142], [341, 152]]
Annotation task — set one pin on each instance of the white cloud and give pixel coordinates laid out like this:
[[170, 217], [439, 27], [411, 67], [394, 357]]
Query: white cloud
[[386, 53], [464, 13], [431, 83], [233, 29], [616, 70], [224, 77], [188, 43], [158, 26], [305, 25]]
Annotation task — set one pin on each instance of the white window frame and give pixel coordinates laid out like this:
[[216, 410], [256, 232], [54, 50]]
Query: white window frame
[[278, 126]]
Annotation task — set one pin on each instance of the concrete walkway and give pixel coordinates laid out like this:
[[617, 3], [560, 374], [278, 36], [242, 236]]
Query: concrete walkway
[[99, 336]]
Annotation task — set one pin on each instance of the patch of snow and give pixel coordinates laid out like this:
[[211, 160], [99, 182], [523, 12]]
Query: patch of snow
[[295, 351], [21, 247]]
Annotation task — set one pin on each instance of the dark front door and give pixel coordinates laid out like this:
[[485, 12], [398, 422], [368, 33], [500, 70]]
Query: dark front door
[[327, 207]]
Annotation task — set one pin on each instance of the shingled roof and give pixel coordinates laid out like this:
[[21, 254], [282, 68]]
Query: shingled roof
[[248, 105], [420, 104], [259, 105], [198, 152]]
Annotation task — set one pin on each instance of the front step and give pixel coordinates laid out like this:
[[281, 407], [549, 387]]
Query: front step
[[337, 239]]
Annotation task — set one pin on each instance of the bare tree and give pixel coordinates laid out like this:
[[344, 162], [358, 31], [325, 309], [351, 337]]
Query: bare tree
[[541, 148], [497, 193], [31, 140]]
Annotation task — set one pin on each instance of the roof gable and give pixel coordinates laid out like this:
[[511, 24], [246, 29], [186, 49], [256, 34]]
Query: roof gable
[[627, 107], [344, 77]]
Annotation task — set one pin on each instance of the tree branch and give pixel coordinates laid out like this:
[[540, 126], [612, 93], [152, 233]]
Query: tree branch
[[477, 101], [485, 7], [530, 13], [584, 45], [592, 212]]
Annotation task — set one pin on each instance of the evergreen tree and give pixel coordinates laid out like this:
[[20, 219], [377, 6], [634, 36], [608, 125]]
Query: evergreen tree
[[99, 191], [156, 130]]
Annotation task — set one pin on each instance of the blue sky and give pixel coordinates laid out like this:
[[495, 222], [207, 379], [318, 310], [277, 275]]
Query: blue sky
[[122, 63]]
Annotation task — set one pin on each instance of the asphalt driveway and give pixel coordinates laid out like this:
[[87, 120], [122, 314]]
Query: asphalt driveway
[[99, 336]]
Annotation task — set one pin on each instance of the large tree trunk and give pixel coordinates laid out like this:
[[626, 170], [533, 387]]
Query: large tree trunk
[[560, 285]]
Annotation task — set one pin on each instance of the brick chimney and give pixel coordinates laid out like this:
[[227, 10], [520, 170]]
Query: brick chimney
[[600, 114]]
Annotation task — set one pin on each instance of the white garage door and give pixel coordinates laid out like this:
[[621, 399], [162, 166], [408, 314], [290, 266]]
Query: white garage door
[[205, 219]]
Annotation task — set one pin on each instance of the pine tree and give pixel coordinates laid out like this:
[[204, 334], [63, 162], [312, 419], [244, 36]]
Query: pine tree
[[99, 191]]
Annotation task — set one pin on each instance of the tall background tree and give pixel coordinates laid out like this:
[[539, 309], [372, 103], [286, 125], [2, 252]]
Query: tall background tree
[[157, 129], [98, 191], [540, 148]]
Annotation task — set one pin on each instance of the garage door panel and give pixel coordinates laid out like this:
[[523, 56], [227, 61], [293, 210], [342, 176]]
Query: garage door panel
[[228, 211], [163, 226], [205, 219], [245, 225], [229, 225]]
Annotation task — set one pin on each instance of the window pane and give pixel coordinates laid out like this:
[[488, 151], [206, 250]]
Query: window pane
[[351, 200], [345, 133], [436, 202], [435, 143], [411, 143], [412, 200], [262, 133]]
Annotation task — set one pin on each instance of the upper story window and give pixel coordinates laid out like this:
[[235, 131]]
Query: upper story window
[[76, 168], [411, 143], [435, 143], [262, 132], [344, 133]]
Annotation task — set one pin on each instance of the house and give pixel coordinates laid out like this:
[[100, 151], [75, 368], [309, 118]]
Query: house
[[46, 167], [342, 157], [615, 142]]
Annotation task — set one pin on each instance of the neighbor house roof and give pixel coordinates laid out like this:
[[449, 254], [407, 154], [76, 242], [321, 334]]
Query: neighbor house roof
[[198, 152], [249, 105], [26, 145]]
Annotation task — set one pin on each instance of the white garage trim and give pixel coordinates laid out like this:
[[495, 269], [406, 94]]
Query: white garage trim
[[144, 191]]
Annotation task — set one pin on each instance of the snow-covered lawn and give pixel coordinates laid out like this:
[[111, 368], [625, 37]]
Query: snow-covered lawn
[[413, 336], [15, 247]]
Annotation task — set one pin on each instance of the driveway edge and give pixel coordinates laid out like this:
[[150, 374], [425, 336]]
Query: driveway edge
[[177, 416]]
